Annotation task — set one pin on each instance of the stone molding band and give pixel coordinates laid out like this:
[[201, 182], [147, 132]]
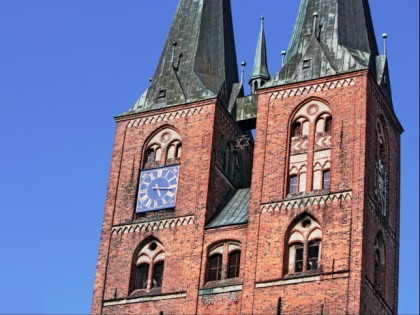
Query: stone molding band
[[152, 225], [166, 117], [313, 88], [305, 202], [146, 299]]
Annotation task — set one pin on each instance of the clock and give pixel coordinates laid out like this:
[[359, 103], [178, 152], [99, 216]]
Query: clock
[[157, 189]]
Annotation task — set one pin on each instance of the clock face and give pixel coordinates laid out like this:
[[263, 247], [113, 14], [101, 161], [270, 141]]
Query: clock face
[[157, 189]]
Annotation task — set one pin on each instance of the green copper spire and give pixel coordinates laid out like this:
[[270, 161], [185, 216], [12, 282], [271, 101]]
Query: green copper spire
[[260, 73], [198, 60], [332, 37]]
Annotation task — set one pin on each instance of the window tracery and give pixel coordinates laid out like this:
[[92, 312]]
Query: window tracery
[[304, 246], [311, 127], [148, 266], [164, 148]]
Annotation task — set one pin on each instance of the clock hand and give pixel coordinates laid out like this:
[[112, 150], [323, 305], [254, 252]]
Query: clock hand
[[157, 188], [165, 188]]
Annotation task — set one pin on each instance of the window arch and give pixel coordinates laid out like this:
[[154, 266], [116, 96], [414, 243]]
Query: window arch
[[148, 266], [223, 261], [379, 260], [163, 148], [303, 246]]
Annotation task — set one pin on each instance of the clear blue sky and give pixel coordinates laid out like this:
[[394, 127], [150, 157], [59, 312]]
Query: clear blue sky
[[67, 67]]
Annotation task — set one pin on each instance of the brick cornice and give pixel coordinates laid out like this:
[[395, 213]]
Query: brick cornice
[[152, 225], [302, 203]]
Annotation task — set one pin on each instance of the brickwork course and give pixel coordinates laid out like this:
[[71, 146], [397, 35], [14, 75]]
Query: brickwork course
[[311, 205]]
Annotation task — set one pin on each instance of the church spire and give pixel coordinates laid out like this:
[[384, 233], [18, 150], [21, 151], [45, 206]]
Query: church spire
[[198, 60], [260, 73], [332, 37]]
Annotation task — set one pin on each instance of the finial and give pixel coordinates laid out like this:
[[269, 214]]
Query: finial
[[262, 22], [243, 64], [283, 55], [150, 79], [385, 36]]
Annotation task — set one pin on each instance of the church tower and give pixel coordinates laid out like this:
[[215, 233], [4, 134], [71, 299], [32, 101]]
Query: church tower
[[200, 219]]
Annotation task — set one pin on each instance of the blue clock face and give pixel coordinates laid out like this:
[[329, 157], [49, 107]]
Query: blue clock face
[[157, 189]]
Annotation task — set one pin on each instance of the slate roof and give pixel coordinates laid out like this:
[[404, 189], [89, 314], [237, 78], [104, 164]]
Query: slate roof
[[234, 211], [201, 65], [260, 69], [336, 36]]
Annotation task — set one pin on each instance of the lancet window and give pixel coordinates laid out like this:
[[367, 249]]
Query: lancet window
[[381, 173]]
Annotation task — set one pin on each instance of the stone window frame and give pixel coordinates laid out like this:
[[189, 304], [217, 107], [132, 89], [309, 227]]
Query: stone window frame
[[225, 249], [381, 166], [150, 252], [302, 232]]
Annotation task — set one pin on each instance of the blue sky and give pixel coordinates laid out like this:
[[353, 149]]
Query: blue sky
[[67, 68]]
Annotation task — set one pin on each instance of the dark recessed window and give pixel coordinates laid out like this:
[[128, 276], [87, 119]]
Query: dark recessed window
[[215, 268], [141, 275], [313, 255], [328, 125], [326, 180], [293, 184], [234, 262], [298, 257], [296, 129], [158, 274], [306, 64], [162, 93]]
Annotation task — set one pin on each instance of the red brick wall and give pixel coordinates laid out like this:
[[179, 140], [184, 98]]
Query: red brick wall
[[348, 220]]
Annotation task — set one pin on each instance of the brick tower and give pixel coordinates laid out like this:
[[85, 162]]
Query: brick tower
[[202, 219]]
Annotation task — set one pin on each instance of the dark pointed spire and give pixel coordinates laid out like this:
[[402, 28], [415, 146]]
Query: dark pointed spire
[[330, 37], [260, 73], [199, 58]]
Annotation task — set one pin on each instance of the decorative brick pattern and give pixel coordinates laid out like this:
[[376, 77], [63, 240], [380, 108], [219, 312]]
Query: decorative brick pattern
[[152, 226], [303, 203], [314, 88], [166, 117]]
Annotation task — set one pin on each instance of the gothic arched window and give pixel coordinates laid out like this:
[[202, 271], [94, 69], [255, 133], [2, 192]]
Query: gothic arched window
[[381, 168], [311, 124], [147, 267], [304, 246]]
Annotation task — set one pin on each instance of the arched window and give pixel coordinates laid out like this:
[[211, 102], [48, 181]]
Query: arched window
[[328, 125], [226, 253], [379, 268], [296, 129], [148, 267], [326, 180], [304, 246], [381, 167], [293, 184], [164, 148]]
